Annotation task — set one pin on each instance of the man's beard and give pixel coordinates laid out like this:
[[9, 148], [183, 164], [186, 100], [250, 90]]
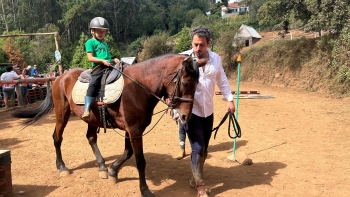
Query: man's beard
[[198, 53]]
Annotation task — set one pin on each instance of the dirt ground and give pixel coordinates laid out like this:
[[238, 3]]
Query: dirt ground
[[299, 144]]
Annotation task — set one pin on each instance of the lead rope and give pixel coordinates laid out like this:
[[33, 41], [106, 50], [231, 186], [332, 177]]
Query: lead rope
[[165, 111], [236, 127]]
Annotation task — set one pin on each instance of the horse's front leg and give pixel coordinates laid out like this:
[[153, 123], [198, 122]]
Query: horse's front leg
[[141, 166], [91, 135], [116, 165]]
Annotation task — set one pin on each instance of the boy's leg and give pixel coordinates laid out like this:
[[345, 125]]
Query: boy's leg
[[182, 138], [94, 85]]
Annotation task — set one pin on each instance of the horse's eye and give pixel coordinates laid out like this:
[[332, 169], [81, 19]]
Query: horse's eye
[[184, 83]]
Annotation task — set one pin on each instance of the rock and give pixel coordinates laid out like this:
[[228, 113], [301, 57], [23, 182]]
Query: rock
[[243, 159]]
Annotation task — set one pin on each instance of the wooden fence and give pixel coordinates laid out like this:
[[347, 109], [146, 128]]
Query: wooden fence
[[36, 93]]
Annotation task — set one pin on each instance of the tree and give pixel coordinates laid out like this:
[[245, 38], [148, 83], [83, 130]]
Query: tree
[[254, 6], [183, 40], [330, 15], [279, 12], [43, 48], [156, 45], [79, 57], [13, 54]]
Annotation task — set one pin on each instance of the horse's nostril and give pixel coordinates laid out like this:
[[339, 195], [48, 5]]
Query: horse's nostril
[[184, 117]]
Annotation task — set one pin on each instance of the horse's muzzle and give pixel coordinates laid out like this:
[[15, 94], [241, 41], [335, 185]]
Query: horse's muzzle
[[185, 118]]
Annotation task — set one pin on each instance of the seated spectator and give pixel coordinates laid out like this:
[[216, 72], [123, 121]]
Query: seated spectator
[[28, 70], [34, 72]]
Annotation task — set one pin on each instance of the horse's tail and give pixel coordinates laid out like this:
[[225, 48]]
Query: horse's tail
[[35, 114]]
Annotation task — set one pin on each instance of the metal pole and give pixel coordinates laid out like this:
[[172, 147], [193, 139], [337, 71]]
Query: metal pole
[[239, 60]]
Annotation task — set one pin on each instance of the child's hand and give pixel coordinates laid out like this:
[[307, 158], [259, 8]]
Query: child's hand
[[106, 63], [116, 60]]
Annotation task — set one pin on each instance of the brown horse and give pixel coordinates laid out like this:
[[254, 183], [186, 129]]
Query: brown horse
[[170, 76]]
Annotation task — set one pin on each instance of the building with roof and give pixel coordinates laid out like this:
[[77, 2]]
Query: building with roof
[[246, 36], [233, 8]]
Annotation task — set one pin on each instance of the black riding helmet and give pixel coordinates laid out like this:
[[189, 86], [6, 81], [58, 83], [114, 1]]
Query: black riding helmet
[[99, 23]]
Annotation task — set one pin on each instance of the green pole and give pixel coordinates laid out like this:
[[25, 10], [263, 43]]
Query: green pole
[[239, 60]]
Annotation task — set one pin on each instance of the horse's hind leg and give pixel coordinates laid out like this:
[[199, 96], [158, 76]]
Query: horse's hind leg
[[91, 135], [115, 166], [62, 116]]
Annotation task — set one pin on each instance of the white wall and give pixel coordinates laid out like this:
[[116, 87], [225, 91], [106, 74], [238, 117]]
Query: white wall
[[230, 1]]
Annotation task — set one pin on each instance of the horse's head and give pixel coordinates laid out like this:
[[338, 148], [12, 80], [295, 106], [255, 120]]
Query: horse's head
[[182, 87]]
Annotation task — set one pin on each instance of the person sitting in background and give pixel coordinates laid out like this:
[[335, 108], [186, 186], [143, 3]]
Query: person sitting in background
[[34, 72], [8, 89], [28, 70]]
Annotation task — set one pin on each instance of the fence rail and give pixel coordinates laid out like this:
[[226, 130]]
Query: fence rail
[[33, 94]]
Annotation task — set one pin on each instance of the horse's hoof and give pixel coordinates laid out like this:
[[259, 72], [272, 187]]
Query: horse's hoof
[[202, 191], [113, 179], [64, 173], [103, 174]]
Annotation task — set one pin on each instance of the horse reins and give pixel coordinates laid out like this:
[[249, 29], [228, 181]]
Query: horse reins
[[233, 120], [170, 105]]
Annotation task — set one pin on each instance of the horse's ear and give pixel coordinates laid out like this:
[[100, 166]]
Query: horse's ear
[[187, 61]]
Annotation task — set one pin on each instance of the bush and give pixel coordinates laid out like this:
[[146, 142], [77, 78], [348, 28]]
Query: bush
[[156, 45]]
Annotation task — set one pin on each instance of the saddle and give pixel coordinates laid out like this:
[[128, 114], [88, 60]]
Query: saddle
[[112, 84]]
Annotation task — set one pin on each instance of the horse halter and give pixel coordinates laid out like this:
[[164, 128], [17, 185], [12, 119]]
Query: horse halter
[[174, 98]]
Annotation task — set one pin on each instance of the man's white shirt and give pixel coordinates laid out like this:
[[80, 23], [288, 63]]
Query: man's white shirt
[[213, 73], [9, 76]]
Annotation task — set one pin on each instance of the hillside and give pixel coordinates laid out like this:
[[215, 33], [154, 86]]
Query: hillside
[[299, 63], [271, 36]]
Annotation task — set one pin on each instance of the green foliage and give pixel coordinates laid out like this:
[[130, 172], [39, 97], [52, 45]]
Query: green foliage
[[340, 62], [79, 57], [135, 47], [254, 6], [115, 53], [3, 56], [23, 44], [278, 13], [156, 45], [183, 40], [44, 47], [229, 52], [329, 15]]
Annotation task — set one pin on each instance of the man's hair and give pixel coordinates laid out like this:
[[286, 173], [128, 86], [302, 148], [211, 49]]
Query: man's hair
[[9, 68], [201, 31]]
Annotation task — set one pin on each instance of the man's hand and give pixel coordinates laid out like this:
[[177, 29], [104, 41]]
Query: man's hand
[[231, 107]]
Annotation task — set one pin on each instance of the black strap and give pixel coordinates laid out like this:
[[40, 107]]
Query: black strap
[[236, 127]]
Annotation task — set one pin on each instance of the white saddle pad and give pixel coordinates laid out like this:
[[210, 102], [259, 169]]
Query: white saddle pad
[[112, 92]]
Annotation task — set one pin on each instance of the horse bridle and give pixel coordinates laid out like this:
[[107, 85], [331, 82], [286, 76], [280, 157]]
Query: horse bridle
[[175, 98]]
